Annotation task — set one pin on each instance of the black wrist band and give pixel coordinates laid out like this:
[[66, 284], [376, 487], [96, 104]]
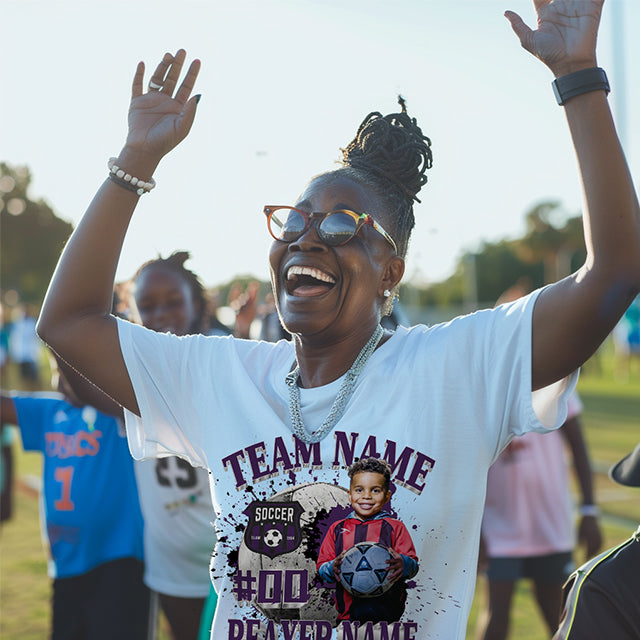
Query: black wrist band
[[583, 81]]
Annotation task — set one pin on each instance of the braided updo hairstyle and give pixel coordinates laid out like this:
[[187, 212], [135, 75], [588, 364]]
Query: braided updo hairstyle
[[175, 262], [390, 154]]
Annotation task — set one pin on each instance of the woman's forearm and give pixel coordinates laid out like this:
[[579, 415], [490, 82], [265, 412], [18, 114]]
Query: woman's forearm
[[76, 320], [611, 216], [82, 284]]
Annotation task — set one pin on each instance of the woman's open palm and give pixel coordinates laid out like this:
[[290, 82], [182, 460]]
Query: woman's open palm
[[158, 119], [566, 32]]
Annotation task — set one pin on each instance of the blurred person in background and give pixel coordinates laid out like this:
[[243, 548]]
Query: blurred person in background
[[175, 496], [6, 471], [527, 528], [24, 345], [176, 503], [4, 343], [602, 597], [271, 328], [91, 520], [626, 339], [213, 326]]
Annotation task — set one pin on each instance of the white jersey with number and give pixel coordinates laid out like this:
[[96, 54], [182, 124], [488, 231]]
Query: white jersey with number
[[179, 536]]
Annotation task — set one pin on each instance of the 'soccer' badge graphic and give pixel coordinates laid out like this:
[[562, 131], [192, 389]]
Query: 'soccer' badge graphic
[[273, 527]]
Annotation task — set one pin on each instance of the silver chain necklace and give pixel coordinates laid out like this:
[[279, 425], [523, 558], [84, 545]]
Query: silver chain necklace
[[346, 390]]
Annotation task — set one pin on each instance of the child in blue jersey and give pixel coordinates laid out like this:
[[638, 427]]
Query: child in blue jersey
[[91, 515]]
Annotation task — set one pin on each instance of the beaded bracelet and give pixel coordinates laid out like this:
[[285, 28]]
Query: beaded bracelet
[[126, 180]]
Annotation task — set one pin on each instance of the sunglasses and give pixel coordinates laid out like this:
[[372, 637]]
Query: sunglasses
[[335, 228]]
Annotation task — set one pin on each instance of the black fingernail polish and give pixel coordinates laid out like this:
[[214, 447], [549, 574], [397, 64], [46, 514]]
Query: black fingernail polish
[[198, 96]]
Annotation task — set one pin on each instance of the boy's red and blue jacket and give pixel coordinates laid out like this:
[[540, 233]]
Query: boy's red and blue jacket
[[382, 529]]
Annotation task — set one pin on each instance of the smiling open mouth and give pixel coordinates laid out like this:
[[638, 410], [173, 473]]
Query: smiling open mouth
[[308, 281]]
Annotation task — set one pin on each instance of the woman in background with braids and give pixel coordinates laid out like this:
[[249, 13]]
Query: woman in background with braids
[[174, 496], [278, 424]]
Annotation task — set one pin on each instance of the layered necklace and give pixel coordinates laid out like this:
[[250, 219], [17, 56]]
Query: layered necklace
[[339, 404]]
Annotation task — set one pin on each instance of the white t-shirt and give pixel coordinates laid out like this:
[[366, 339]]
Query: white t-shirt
[[528, 510], [179, 536], [438, 403]]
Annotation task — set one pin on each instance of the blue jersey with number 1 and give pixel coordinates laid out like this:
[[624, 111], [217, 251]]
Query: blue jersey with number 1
[[91, 509]]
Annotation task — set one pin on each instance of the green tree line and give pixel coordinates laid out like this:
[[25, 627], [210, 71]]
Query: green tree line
[[551, 248], [31, 236]]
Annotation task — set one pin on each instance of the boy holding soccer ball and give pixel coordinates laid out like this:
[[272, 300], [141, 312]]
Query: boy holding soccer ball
[[369, 492]]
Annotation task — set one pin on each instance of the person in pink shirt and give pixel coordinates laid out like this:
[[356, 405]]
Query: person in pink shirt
[[528, 529]]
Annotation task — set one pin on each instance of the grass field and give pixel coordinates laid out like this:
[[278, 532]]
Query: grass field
[[612, 423]]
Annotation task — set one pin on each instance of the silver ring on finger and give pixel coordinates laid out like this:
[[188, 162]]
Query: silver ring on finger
[[155, 86]]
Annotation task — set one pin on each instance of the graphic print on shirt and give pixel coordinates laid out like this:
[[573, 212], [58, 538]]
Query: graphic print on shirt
[[61, 445], [288, 534]]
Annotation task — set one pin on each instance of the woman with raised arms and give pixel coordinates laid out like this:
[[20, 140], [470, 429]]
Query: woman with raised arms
[[278, 424]]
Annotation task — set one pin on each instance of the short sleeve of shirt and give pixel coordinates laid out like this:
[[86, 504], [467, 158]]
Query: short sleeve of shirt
[[544, 408], [32, 418], [487, 357], [176, 378]]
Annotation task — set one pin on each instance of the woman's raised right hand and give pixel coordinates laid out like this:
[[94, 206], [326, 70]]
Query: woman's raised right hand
[[158, 119]]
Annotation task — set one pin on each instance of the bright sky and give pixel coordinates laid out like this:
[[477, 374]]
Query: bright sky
[[285, 83]]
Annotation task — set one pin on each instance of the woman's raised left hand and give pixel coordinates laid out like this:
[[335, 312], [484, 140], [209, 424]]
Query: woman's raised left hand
[[160, 118], [566, 33]]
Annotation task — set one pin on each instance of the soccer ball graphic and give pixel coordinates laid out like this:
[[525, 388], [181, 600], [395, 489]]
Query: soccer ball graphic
[[364, 571], [272, 538]]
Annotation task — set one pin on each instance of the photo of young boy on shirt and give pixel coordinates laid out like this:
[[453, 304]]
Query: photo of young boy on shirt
[[369, 492]]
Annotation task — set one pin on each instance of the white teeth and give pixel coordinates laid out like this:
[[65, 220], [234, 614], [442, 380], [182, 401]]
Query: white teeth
[[309, 271]]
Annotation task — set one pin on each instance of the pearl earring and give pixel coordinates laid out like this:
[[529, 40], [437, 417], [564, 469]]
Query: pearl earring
[[386, 293]]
